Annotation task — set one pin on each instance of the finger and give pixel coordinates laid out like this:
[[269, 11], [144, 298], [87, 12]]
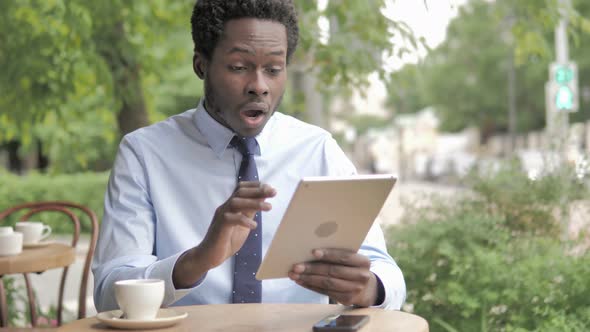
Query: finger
[[239, 219], [256, 184], [335, 271], [238, 204], [329, 283], [249, 184], [345, 298], [261, 192], [341, 257]]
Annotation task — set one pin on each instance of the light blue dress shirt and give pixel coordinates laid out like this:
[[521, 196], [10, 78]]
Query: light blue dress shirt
[[169, 178]]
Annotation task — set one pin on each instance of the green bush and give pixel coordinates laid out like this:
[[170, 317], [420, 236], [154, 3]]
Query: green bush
[[529, 205], [84, 188], [492, 260], [19, 314], [14, 294]]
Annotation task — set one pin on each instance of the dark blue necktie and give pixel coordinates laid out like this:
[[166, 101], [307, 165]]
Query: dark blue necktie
[[247, 289]]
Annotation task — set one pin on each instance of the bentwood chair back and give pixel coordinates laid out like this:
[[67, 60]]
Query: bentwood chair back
[[72, 211]]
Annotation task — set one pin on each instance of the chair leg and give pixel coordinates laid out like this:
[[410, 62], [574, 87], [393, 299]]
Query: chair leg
[[31, 296], [60, 301], [3, 305]]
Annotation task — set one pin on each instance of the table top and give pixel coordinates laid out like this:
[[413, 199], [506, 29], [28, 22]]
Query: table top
[[40, 259], [270, 317]]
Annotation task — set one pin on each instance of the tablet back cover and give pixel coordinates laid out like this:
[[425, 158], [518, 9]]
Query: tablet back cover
[[325, 212]]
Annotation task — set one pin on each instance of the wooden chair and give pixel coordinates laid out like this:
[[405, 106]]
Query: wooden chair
[[71, 210]]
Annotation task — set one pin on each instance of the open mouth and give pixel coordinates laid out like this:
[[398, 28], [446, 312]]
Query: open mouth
[[253, 118], [253, 113]]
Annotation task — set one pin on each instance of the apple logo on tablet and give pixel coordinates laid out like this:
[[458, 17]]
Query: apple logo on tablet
[[326, 229]]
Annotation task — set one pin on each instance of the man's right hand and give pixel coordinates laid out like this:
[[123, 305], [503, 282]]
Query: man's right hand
[[228, 231], [234, 219]]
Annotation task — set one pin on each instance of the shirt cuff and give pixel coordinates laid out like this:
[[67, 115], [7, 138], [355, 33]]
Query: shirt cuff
[[380, 292], [163, 269], [393, 284]]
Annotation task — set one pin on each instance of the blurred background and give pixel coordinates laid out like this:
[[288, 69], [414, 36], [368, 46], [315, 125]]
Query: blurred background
[[481, 107]]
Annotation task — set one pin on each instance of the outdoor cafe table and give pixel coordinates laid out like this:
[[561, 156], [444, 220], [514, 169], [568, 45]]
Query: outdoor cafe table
[[270, 317], [32, 260]]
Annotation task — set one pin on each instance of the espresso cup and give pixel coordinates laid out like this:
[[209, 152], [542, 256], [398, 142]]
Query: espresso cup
[[11, 243], [33, 231], [139, 299]]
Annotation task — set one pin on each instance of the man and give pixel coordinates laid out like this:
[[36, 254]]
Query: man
[[190, 203]]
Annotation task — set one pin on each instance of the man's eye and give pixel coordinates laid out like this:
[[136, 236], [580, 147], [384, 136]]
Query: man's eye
[[275, 71], [237, 68]]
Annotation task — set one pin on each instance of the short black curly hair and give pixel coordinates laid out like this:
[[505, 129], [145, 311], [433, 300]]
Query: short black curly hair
[[209, 18]]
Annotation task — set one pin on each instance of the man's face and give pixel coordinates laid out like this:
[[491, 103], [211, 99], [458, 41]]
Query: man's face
[[245, 79]]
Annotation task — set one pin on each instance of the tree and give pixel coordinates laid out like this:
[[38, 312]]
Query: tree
[[80, 74], [579, 50], [339, 61], [407, 89], [466, 74], [466, 77], [359, 37], [81, 69]]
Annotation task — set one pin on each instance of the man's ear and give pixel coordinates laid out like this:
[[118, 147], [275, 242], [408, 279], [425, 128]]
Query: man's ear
[[199, 65]]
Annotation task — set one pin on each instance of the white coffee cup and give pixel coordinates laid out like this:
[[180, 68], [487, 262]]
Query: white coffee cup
[[11, 243], [139, 299], [6, 230], [33, 231]]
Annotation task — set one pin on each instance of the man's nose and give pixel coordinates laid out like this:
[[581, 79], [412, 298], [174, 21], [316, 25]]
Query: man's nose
[[257, 86]]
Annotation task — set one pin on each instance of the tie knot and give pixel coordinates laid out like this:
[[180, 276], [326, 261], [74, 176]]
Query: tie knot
[[246, 145]]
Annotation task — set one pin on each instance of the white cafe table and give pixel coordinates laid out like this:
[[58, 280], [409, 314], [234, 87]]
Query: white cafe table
[[270, 317]]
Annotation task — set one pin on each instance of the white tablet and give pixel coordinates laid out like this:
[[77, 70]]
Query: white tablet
[[325, 212]]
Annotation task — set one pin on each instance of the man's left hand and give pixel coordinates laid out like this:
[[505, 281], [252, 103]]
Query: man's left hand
[[343, 275]]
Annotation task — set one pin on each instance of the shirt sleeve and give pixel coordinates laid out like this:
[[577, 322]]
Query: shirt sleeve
[[374, 247], [126, 244], [384, 267]]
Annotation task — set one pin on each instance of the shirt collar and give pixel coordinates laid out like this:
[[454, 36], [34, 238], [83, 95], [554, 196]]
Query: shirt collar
[[219, 137], [216, 135]]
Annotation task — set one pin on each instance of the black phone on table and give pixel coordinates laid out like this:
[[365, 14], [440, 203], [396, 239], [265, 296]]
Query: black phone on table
[[341, 323]]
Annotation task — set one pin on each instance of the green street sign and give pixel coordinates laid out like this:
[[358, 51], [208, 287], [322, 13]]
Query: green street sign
[[564, 74], [563, 87], [564, 98]]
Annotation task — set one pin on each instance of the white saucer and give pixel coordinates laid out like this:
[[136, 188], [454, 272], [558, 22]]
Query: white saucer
[[165, 318], [39, 244]]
